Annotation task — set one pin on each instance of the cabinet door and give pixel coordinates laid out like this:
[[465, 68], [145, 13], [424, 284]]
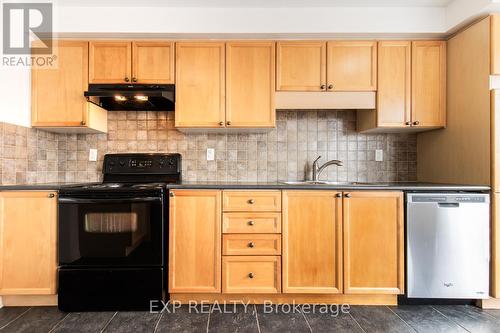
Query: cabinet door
[[373, 243], [200, 84], [153, 62], [110, 62], [195, 241], [394, 84], [352, 66], [312, 242], [429, 83], [28, 236], [250, 75], [301, 66], [57, 94]]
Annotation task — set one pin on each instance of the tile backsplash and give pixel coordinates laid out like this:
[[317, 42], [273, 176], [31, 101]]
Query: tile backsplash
[[285, 153]]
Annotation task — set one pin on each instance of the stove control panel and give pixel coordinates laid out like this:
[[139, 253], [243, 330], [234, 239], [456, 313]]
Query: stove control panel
[[142, 163]]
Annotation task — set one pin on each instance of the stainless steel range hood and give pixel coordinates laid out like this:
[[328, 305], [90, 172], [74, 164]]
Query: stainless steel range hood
[[132, 97]]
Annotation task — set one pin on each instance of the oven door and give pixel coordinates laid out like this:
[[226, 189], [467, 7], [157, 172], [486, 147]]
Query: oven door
[[111, 232]]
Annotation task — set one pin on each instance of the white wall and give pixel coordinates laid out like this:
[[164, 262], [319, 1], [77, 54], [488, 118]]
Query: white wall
[[15, 95], [284, 21], [115, 19]]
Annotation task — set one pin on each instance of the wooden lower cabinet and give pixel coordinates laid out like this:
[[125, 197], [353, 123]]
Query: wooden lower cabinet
[[253, 244], [334, 246], [251, 201], [251, 274], [373, 243], [194, 241], [28, 242], [312, 242], [250, 223]]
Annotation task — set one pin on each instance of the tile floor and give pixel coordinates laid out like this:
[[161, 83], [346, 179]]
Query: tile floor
[[415, 318]]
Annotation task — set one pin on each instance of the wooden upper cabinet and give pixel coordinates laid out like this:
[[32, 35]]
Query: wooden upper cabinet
[[352, 66], [110, 62], [28, 238], [312, 242], [428, 83], [200, 84], [195, 241], [301, 66], [495, 44], [250, 72], [153, 62], [57, 94], [373, 243], [394, 84]]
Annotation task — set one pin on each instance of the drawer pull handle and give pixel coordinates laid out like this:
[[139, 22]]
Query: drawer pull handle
[[250, 275], [251, 201], [251, 244], [51, 195], [251, 222]]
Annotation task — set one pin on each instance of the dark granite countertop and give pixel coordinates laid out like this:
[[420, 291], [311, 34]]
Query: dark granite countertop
[[40, 186], [402, 186]]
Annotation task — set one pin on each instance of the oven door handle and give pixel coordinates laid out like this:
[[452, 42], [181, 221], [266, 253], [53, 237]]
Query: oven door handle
[[106, 200]]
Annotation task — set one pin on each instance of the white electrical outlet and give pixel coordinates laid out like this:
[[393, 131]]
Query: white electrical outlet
[[93, 155], [379, 155], [210, 154]]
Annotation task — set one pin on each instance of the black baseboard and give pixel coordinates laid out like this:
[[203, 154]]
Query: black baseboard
[[403, 300]]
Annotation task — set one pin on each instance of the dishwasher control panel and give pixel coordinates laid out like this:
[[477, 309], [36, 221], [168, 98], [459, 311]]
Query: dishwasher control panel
[[479, 198]]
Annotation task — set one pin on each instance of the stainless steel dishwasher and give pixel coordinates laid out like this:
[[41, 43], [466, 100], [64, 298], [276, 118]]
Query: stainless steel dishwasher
[[448, 245]]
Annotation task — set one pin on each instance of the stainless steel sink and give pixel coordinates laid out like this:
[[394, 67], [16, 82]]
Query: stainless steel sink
[[319, 182], [312, 182]]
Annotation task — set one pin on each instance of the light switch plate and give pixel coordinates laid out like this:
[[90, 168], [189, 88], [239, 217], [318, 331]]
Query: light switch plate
[[210, 154], [93, 155], [379, 155]]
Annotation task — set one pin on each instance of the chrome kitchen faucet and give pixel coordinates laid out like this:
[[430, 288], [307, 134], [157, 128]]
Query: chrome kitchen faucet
[[316, 171]]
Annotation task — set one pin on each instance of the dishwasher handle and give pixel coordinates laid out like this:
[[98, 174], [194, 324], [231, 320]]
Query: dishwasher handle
[[448, 205]]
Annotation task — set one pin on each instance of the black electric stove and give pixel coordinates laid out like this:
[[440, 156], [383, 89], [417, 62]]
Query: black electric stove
[[113, 235]]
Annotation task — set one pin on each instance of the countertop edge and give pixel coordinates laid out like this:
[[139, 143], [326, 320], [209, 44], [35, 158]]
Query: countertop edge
[[201, 186], [332, 187]]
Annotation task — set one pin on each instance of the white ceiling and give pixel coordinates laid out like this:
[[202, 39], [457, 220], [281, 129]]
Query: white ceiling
[[259, 3]]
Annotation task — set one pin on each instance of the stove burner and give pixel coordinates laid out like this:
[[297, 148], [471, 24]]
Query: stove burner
[[104, 185]]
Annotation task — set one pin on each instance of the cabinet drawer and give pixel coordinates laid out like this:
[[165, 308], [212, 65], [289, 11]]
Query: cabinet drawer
[[244, 201], [255, 223], [251, 274], [233, 245]]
